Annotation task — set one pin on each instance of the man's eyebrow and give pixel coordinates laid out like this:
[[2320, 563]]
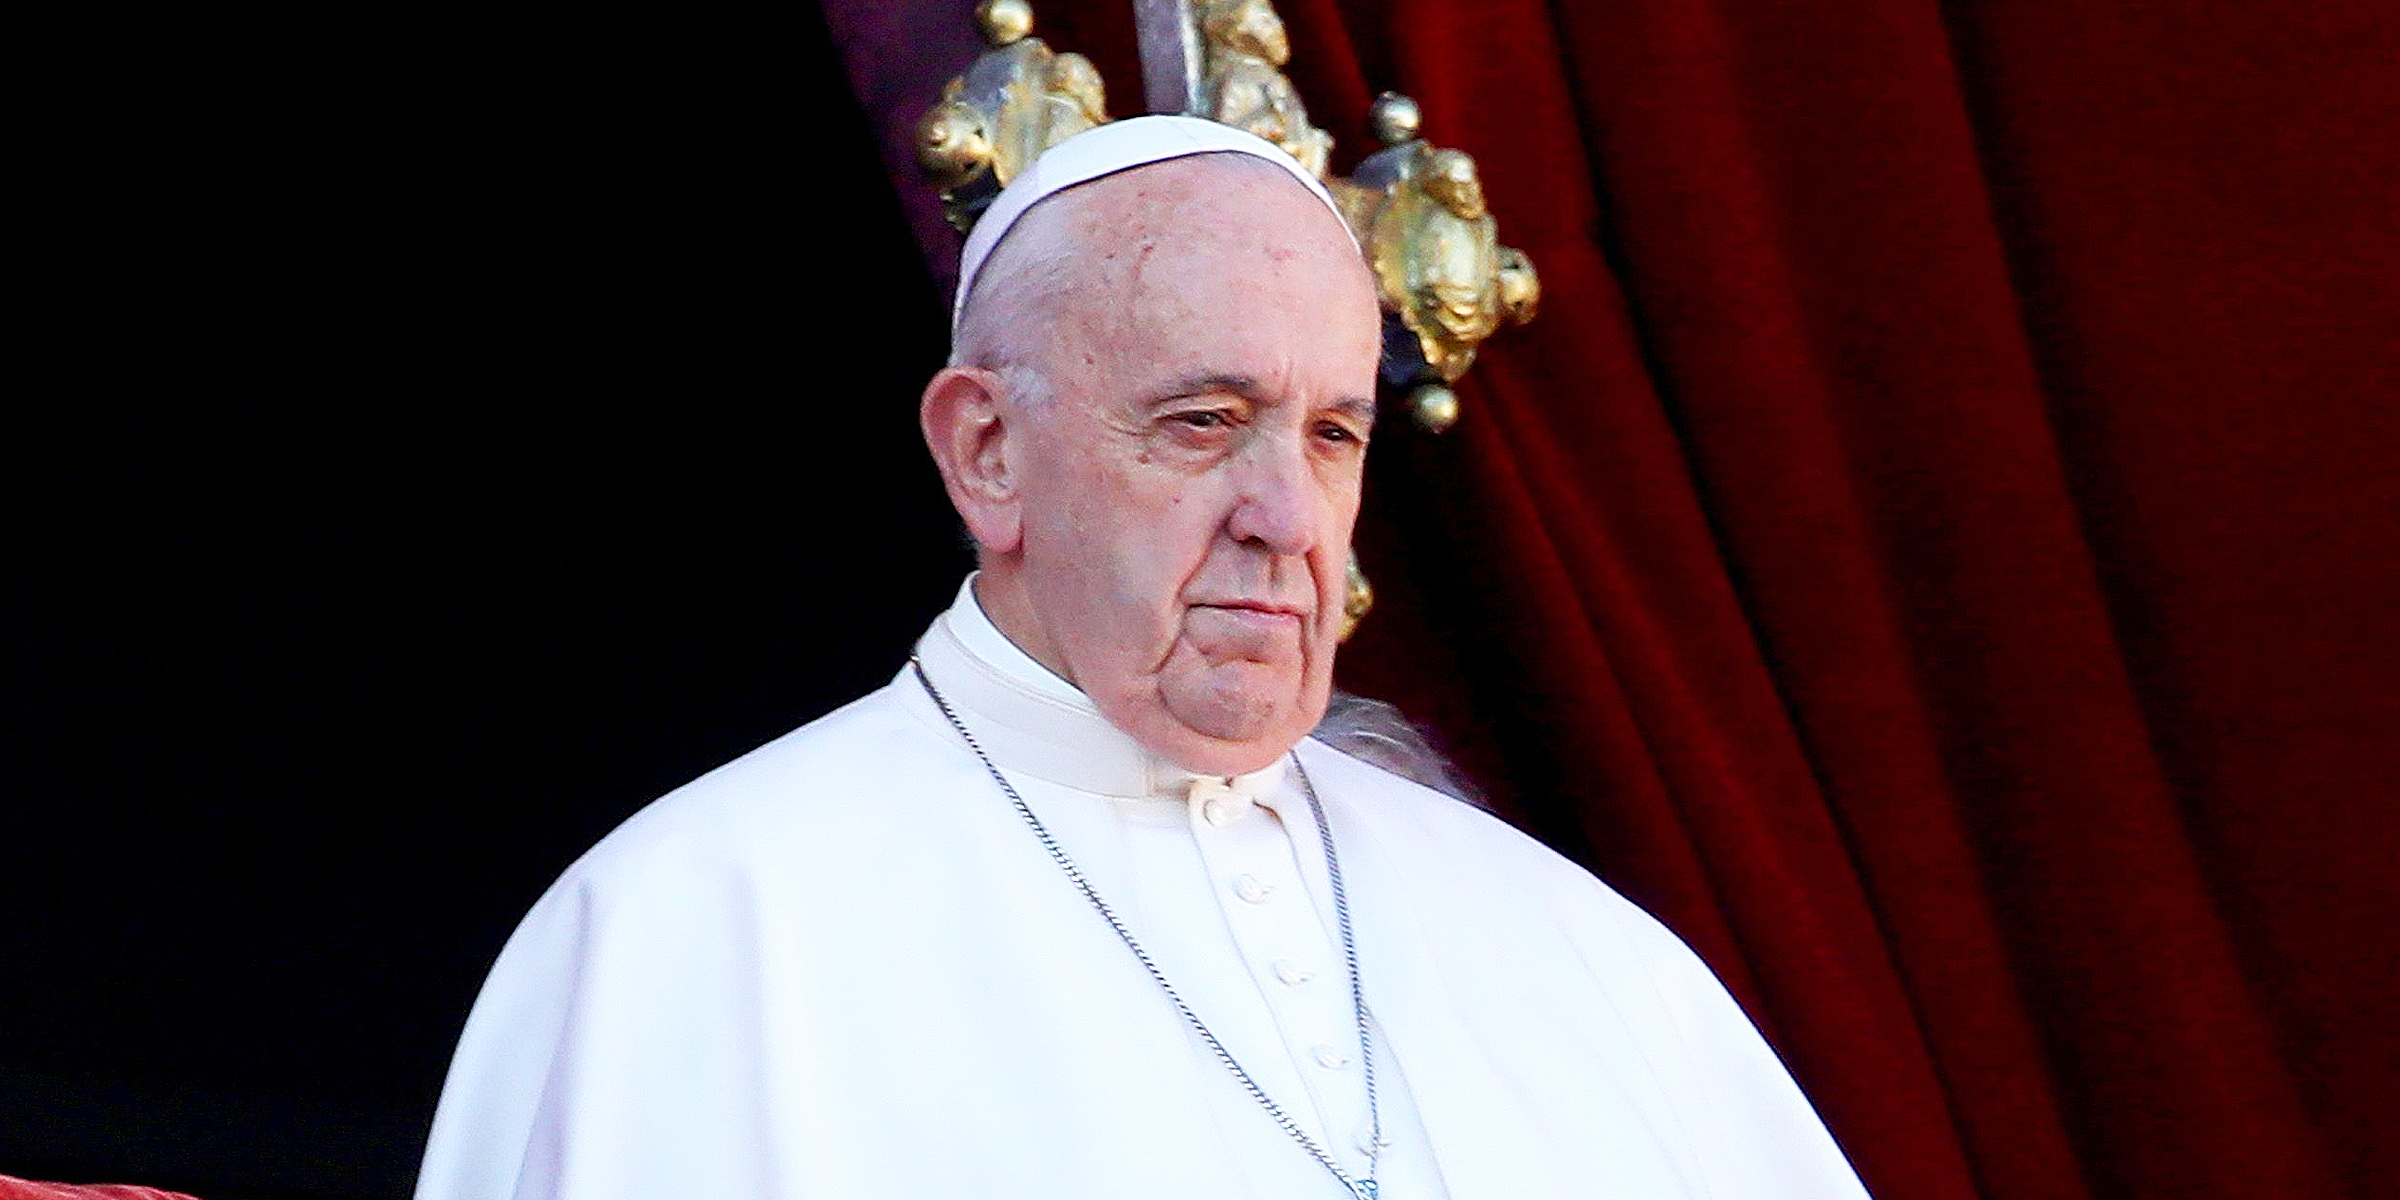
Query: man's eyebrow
[[1208, 382], [1357, 408]]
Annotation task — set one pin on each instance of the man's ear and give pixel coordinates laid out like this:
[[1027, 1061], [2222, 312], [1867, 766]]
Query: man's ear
[[964, 416]]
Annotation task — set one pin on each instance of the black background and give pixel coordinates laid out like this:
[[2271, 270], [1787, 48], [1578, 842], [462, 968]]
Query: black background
[[428, 442]]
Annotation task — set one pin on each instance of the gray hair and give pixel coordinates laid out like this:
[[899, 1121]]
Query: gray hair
[[1009, 313], [1375, 732]]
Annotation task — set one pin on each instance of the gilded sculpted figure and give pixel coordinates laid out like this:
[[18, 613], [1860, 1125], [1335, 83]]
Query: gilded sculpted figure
[[1246, 45], [1435, 248], [1435, 251], [1017, 100], [1076, 82]]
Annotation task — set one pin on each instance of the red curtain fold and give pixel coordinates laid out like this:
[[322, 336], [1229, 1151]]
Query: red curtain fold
[[1936, 546]]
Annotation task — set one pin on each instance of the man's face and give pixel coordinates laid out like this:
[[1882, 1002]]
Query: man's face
[[1187, 492]]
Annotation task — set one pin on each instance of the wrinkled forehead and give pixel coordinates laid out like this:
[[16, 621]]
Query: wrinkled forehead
[[1149, 262], [1221, 204], [1111, 150], [1192, 269]]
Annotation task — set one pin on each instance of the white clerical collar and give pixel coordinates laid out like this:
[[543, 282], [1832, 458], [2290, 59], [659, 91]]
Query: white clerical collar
[[1030, 720], [974, 627]]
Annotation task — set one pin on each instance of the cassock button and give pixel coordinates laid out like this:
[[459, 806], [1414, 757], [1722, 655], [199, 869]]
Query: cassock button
[[1291, 974], [1251, 889], [1328, 1057]]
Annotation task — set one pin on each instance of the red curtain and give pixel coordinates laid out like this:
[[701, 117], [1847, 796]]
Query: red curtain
[[12, 1188], [1936, 546]]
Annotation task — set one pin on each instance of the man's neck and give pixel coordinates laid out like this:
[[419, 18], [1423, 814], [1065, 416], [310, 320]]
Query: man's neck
[[985, 625]]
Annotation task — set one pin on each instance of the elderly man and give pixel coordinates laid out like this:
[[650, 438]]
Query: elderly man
[[1073, 908]]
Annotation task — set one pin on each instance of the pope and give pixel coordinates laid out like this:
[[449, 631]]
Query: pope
[[1076, 906]]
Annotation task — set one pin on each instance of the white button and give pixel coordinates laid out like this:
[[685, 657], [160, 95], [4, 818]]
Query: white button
[[1219, 813], [1249, 888], [1290, 973], [1328, 1057], [1368, 1146]]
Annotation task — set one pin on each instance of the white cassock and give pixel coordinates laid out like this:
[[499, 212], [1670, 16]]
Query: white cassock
[[842, 967]]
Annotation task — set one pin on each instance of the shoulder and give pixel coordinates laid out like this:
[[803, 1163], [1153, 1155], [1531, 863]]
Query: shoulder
[[1468, 862], [1392, 807], [846, 806], [845, 780]]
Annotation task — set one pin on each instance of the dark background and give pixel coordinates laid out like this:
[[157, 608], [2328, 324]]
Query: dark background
[[434, 443], [1934, 550]]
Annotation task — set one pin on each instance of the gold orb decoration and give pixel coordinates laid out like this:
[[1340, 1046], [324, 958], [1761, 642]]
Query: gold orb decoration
[[1435, 407], [1394, 118], [1004, 22]]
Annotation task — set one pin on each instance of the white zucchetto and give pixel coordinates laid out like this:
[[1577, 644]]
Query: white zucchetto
[[1106, 150]]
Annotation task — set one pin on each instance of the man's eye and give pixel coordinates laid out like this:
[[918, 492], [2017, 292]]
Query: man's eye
[[1203, 418], [1338, 433]]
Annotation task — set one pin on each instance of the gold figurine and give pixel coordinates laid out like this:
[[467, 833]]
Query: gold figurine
[[1245, 47], [1420, 214], [1436, 257], [1016, 100]]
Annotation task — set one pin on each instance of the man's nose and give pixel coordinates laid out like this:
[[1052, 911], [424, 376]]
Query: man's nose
[[1275, 507]]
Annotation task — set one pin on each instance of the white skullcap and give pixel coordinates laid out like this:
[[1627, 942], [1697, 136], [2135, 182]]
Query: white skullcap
[[1106, 150]]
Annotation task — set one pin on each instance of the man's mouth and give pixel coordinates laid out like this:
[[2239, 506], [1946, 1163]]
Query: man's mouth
[[1261, 607], [1257, 631]]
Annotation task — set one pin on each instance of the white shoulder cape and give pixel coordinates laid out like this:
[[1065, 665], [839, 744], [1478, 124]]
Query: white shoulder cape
[[838, 968]]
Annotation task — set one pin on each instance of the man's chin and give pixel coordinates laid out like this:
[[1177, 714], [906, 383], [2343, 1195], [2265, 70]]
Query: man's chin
[[1218, 726], [1205, 755]]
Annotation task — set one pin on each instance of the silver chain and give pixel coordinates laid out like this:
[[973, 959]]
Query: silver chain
[[1362, 1188]]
